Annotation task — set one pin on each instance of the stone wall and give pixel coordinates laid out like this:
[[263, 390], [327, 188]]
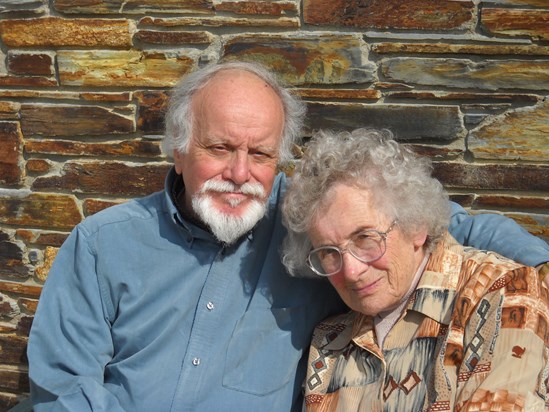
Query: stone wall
[[83, 85]]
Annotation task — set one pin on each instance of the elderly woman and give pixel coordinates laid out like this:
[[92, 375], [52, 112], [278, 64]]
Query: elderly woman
[[433, 326]]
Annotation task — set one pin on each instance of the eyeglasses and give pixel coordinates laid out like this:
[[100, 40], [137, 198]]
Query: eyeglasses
[[366, 246]]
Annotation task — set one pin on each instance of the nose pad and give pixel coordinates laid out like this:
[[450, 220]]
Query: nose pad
[[351, 267]]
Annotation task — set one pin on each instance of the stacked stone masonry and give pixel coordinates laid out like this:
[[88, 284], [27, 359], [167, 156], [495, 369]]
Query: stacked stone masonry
[[84, 85]]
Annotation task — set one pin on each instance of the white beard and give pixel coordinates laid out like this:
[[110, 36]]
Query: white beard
[[225, 227]]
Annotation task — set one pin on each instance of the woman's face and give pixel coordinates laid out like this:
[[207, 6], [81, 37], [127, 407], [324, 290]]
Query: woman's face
[[374, 287]]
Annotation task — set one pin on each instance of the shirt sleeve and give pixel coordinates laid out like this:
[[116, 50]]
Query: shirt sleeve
[[500, 234], [70, 341]]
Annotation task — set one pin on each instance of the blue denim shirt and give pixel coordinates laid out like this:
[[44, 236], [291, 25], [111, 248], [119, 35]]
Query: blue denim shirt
[[143, 311]]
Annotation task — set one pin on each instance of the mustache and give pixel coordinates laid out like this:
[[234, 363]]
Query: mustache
[[222, 186]]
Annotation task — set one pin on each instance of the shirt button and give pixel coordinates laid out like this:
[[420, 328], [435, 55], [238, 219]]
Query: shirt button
[[210, 305], [196, 361]]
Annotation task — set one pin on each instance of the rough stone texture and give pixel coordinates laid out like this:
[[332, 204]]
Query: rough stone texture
[[58, 212], [40, 64], [516, 134], [460, 73], [11, 159], [133, 6], [516, 22], [121, 68], [65, 120], [55, 32], [84, 86], [322, 59], [407, 122], [389, 14], [108, 178]]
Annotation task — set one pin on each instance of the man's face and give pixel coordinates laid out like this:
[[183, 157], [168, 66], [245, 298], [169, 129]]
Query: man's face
[[236, 138]]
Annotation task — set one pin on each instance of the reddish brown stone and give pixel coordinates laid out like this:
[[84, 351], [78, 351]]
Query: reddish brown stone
[[14, 349], [134, 6], [38, 165], [11, 159], [65, 120], [36, 64], [502, 202], [257, 8], [40, 210], [43, 238], [14, 380], [465, 96], [63, 95], [516, 22], [24, 325], [56, 32], [493, 177], [106, 97], [151, 110], [354, 94], [29, 305], [109, 178], [390, 14], [173, 37], [92, 206], [33, 81], [20, 288], [134, 148]]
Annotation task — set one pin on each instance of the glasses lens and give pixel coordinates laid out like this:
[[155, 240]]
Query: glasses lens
[[325, 260], [368, 245]]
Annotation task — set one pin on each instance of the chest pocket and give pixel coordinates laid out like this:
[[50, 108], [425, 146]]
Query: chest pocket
[[265, 349]]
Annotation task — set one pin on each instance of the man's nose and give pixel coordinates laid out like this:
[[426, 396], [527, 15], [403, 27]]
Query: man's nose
[[238, 168]]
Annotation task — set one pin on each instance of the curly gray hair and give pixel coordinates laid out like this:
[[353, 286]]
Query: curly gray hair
[[179, 116], [368, 159]]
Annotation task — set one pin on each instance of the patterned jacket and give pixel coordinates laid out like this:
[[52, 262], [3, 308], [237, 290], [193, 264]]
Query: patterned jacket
[[474, 337]]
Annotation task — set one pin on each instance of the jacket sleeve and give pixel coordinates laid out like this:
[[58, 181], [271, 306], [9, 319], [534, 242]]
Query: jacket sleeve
[[499, 234], [70, 341]]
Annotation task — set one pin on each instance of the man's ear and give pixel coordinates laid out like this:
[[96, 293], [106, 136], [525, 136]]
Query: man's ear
[[178, 159]]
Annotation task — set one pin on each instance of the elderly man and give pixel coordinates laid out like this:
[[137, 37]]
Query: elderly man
[[179, 301]]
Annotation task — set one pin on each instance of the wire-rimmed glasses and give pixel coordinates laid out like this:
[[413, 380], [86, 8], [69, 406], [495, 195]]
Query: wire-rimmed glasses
[[367, 246]]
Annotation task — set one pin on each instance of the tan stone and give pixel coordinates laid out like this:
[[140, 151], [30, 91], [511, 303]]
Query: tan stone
[[121, 68], [452, 48], [64, 95], [58, 212], [57, 32], [134, 6], [322, 59], [517, 134], [516, 22], [72, 120], [42, 271], [9, 110], [20, 288], [390, 14], [11, 156], [462, 73]]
